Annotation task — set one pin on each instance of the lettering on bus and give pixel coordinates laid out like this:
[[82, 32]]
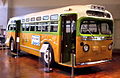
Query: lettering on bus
[[35, 40]]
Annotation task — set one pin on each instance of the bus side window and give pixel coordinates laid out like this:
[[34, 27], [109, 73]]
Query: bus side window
[[27, 27], [38, 26], [8, 27], [32, 28], [53, 26], [11, 27], [14, 27], [45, 26], [23, 27]]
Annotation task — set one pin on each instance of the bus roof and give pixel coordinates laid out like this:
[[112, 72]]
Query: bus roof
[[80, 9]]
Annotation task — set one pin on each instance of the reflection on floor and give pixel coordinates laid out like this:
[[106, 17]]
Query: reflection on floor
[[29, 66]]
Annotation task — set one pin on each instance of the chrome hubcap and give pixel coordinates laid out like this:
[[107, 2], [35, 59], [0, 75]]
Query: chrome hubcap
[[47, 56]]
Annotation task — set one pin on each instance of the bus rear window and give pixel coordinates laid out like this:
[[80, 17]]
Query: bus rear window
[[12, 27]]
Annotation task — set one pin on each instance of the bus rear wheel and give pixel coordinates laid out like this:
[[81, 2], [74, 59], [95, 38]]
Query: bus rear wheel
[[12, 45], [48, 57]]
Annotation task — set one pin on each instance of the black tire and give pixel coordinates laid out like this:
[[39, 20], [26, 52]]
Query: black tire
[[45, 57], [12, 46]]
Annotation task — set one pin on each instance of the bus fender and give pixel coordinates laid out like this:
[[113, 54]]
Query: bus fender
[[45, 46]]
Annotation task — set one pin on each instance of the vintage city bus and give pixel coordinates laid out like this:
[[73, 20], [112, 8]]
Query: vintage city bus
[[84, 30]]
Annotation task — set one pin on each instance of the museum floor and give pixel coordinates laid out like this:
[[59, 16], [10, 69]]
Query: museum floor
[[29, 66]]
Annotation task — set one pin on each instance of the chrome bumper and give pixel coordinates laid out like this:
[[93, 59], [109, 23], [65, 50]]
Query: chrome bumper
[[96, 62]]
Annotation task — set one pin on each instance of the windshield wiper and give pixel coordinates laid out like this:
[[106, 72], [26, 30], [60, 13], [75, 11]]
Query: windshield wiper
[[90, 32]]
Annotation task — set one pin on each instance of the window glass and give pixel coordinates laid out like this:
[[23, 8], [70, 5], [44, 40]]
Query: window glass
[[93, 28], [33, 19], [38, 18], [12, 27], [89, 27], [8, 27], [84, 28], [32, 28], [45, 27], [96, 27], [54, 17], [105, 28], [23, 20], [45, 17], [38, 28], [27, 28], [68, 26], [27, 19], [53, 26], [23, 27]]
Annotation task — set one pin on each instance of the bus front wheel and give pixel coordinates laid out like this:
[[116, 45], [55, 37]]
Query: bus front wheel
[[48, 57]]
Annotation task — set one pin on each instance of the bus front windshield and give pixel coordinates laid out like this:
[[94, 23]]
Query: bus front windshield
[[96, 27]]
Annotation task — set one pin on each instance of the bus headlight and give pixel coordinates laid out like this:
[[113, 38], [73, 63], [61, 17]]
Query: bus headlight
[[110, 47], [86, 47]]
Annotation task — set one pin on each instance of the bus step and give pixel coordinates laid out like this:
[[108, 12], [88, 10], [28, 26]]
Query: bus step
[[67, 63]]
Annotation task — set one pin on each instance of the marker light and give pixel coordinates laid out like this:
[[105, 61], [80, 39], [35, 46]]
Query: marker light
[[98, 7], [110, 47], [85, 47]]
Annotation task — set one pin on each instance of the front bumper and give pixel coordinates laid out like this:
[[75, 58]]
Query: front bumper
[[88, 64]]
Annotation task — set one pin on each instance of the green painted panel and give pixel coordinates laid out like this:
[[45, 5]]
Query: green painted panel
[[38, 32], [11, 31]]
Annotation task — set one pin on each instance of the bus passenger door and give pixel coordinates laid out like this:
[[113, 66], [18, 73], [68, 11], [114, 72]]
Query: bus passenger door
[[17, 34], [68, 41]]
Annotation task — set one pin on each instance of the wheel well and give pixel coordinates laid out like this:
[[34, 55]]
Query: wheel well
[[48, 43], [11, 38]]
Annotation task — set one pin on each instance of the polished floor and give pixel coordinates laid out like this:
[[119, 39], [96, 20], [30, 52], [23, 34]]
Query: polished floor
[[29, 66]]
